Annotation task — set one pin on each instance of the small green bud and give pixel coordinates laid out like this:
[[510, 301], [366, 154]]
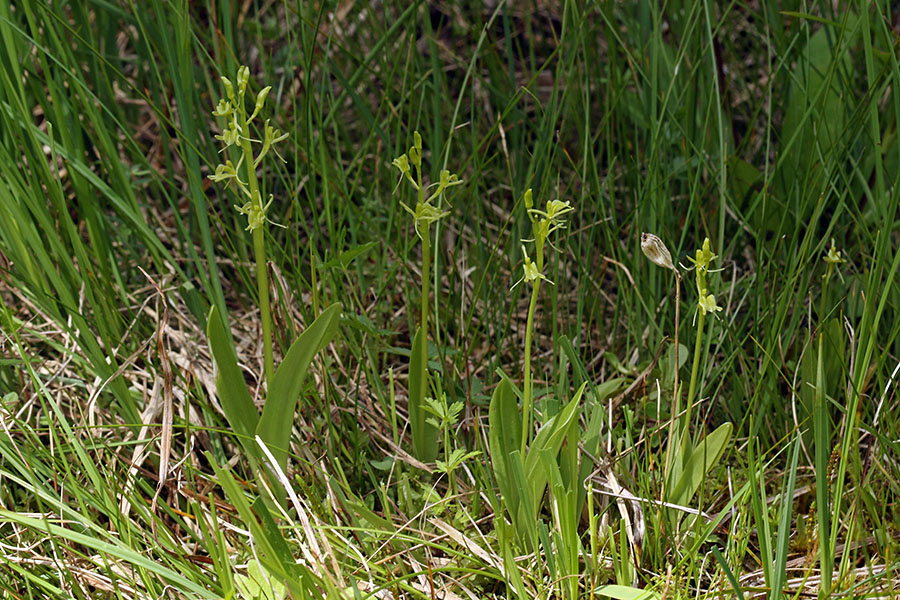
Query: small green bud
[[529, 203], [243, 76], [260, 101], [229, 89], [704, 257], [415, 156], [417, 141]]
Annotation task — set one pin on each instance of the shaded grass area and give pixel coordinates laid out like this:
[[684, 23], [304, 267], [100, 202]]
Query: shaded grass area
[[771, 130]]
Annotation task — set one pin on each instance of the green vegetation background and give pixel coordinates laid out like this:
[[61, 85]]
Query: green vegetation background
[[770, 128]]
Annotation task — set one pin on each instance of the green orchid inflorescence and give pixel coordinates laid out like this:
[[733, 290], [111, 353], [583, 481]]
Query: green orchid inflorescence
[[703, 258], [428, 210], [236, 133], [425, 212]]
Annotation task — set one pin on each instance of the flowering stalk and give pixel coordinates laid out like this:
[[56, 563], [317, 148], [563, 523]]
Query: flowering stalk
[[705, 304], [543, 224], [822, 429], [236, 133], [424, 214], [654, 249]]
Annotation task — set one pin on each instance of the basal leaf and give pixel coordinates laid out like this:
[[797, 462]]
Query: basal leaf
[[424, 435], [702, 459], [274, 427], [237, 404]]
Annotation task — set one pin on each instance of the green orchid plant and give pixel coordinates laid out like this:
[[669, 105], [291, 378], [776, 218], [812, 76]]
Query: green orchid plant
[[543, 224], [236, 133], [265, 437], [687, 464], [525, 463], [426, 212]]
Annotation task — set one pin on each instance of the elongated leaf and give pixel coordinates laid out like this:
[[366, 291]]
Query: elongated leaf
[[702, 459], [424, 434], [549, 439], [782, 544], [240, 412], [504, 436], [274, 427]]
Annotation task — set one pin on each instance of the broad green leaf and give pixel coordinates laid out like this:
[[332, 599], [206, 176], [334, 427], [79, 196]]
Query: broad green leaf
[[505, 437], [424, 435], [549, 438], [523, 517], [274, 427], [702, 459], [240, 411], [622, 592], [816, 89]]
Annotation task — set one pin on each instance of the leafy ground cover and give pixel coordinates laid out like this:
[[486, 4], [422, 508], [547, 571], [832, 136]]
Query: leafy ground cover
[[449, 300]]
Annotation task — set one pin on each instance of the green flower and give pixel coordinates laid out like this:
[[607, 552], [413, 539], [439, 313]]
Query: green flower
[[834, 255], [256, 213], [222, 109], [531, 273], [231, 134], [424, 214], [557, 208], [270, 137], [225, 172], [707, 303], [402, 163]]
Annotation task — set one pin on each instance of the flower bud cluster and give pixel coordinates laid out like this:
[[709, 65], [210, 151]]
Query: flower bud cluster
[[235, 133], [425, 212], [702, 259], [543, 224]]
